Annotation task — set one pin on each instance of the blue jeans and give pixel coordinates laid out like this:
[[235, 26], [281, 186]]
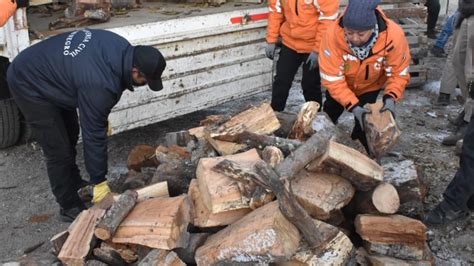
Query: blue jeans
[[447, 31]]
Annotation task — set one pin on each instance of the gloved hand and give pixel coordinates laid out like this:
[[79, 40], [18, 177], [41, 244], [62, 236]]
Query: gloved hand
[[270, 50], [312, 60], [359, 113], [100, 191], [388, 105]]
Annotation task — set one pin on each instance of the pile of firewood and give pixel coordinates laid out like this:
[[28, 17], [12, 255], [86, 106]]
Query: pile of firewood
[[258, 187]]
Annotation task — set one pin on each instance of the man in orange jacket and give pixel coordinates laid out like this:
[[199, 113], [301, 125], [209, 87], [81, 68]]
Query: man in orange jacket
[[8, 8], [361, 53], [301, 25]]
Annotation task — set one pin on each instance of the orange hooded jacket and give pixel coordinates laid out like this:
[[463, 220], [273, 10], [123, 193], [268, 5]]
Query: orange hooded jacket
[[346, 77], [301, 23], [7, 9]]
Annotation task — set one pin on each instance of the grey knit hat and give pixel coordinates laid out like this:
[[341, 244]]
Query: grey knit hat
[[360, 14]]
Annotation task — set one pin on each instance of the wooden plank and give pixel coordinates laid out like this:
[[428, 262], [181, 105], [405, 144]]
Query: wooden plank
[[158, 223], [219, 192], [264, 235], [81, 238], [361, 171]]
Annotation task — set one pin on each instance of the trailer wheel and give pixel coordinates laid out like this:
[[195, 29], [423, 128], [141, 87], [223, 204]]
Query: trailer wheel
[[9, 123]]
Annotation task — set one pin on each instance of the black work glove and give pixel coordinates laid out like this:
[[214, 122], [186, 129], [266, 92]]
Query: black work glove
[[388, 105]]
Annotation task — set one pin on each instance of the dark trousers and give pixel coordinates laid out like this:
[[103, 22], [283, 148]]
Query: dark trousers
[[433, 12], [287, 66], [57, 131], [461, 187], [335, 110]]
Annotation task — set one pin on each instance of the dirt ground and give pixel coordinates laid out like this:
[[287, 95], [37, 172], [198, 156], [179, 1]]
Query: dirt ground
[[29, 214]]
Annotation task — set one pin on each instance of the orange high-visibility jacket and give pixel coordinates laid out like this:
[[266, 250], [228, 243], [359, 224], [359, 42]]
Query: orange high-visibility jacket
[[346, 77], [7, 9], [301, 23]]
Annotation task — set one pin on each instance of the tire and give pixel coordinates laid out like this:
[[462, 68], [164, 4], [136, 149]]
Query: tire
[[9, 123]]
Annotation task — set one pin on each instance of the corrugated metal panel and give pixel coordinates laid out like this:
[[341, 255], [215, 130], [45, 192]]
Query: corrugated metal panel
[[209, 61]]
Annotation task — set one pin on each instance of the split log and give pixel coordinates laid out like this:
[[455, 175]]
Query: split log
[[197, 132], [159, 257], [114, 216], [287, 120], [338, 251], [187, 254], [381, 200], [255, 193], [321, 194], [204, 218], [391, 229], [219, 192], [203, 150], [109, 256], [302, 128], [264, 235], [214, 120], [158, 223], [272, 155], [322, 122], [377, 260], [141, 156], [381, 130], [58, 240], [180, 138], [316, 233], [81, 238], [406, 178], [258, 120], [128, 252], [223, 147], [252, 140], [361, 171], [395, 250], [157, 190]]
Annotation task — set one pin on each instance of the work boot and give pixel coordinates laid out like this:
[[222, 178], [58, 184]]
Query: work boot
[[457, 120], [443, 214], [438, 52], [69, 215], [443, 99], [453, 138]]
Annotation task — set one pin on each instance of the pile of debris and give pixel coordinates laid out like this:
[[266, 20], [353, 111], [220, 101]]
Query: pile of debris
[[258, 187]]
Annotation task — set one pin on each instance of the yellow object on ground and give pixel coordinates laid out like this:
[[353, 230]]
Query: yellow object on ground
[[100, 191]]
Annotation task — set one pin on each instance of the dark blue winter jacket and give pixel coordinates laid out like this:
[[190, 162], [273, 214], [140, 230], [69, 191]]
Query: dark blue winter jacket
[[85, 69]]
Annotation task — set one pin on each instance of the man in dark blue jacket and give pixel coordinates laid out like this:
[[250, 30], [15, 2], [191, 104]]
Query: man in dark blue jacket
[[86, 70]]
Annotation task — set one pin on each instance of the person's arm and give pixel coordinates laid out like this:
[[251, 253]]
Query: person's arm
[[95, 104], [7, 9], [397, 67], [332, 78], [275, 19], [328, 12]]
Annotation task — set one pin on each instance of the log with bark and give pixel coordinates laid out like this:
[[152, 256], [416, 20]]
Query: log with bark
[[302, 128], [156, 190], [321, 194], [264, 235], [406, 178], [252, 140], [223, 147], [391, 229], [81, 238], [361, 171], [272, 155], [109, 256], [159, 257], [219, 192], [114, 216], [187, 254], [204, 218], [58, 240], [258, 120], [158, 223], [287, 120], [141, 156], [381, 130], [180, 138], [381, 200]]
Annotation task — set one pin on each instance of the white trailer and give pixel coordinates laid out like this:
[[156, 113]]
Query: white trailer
[[213, 55]]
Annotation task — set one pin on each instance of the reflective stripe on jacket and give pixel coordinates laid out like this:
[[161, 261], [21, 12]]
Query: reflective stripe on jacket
[[346, 77], [300, 23]]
